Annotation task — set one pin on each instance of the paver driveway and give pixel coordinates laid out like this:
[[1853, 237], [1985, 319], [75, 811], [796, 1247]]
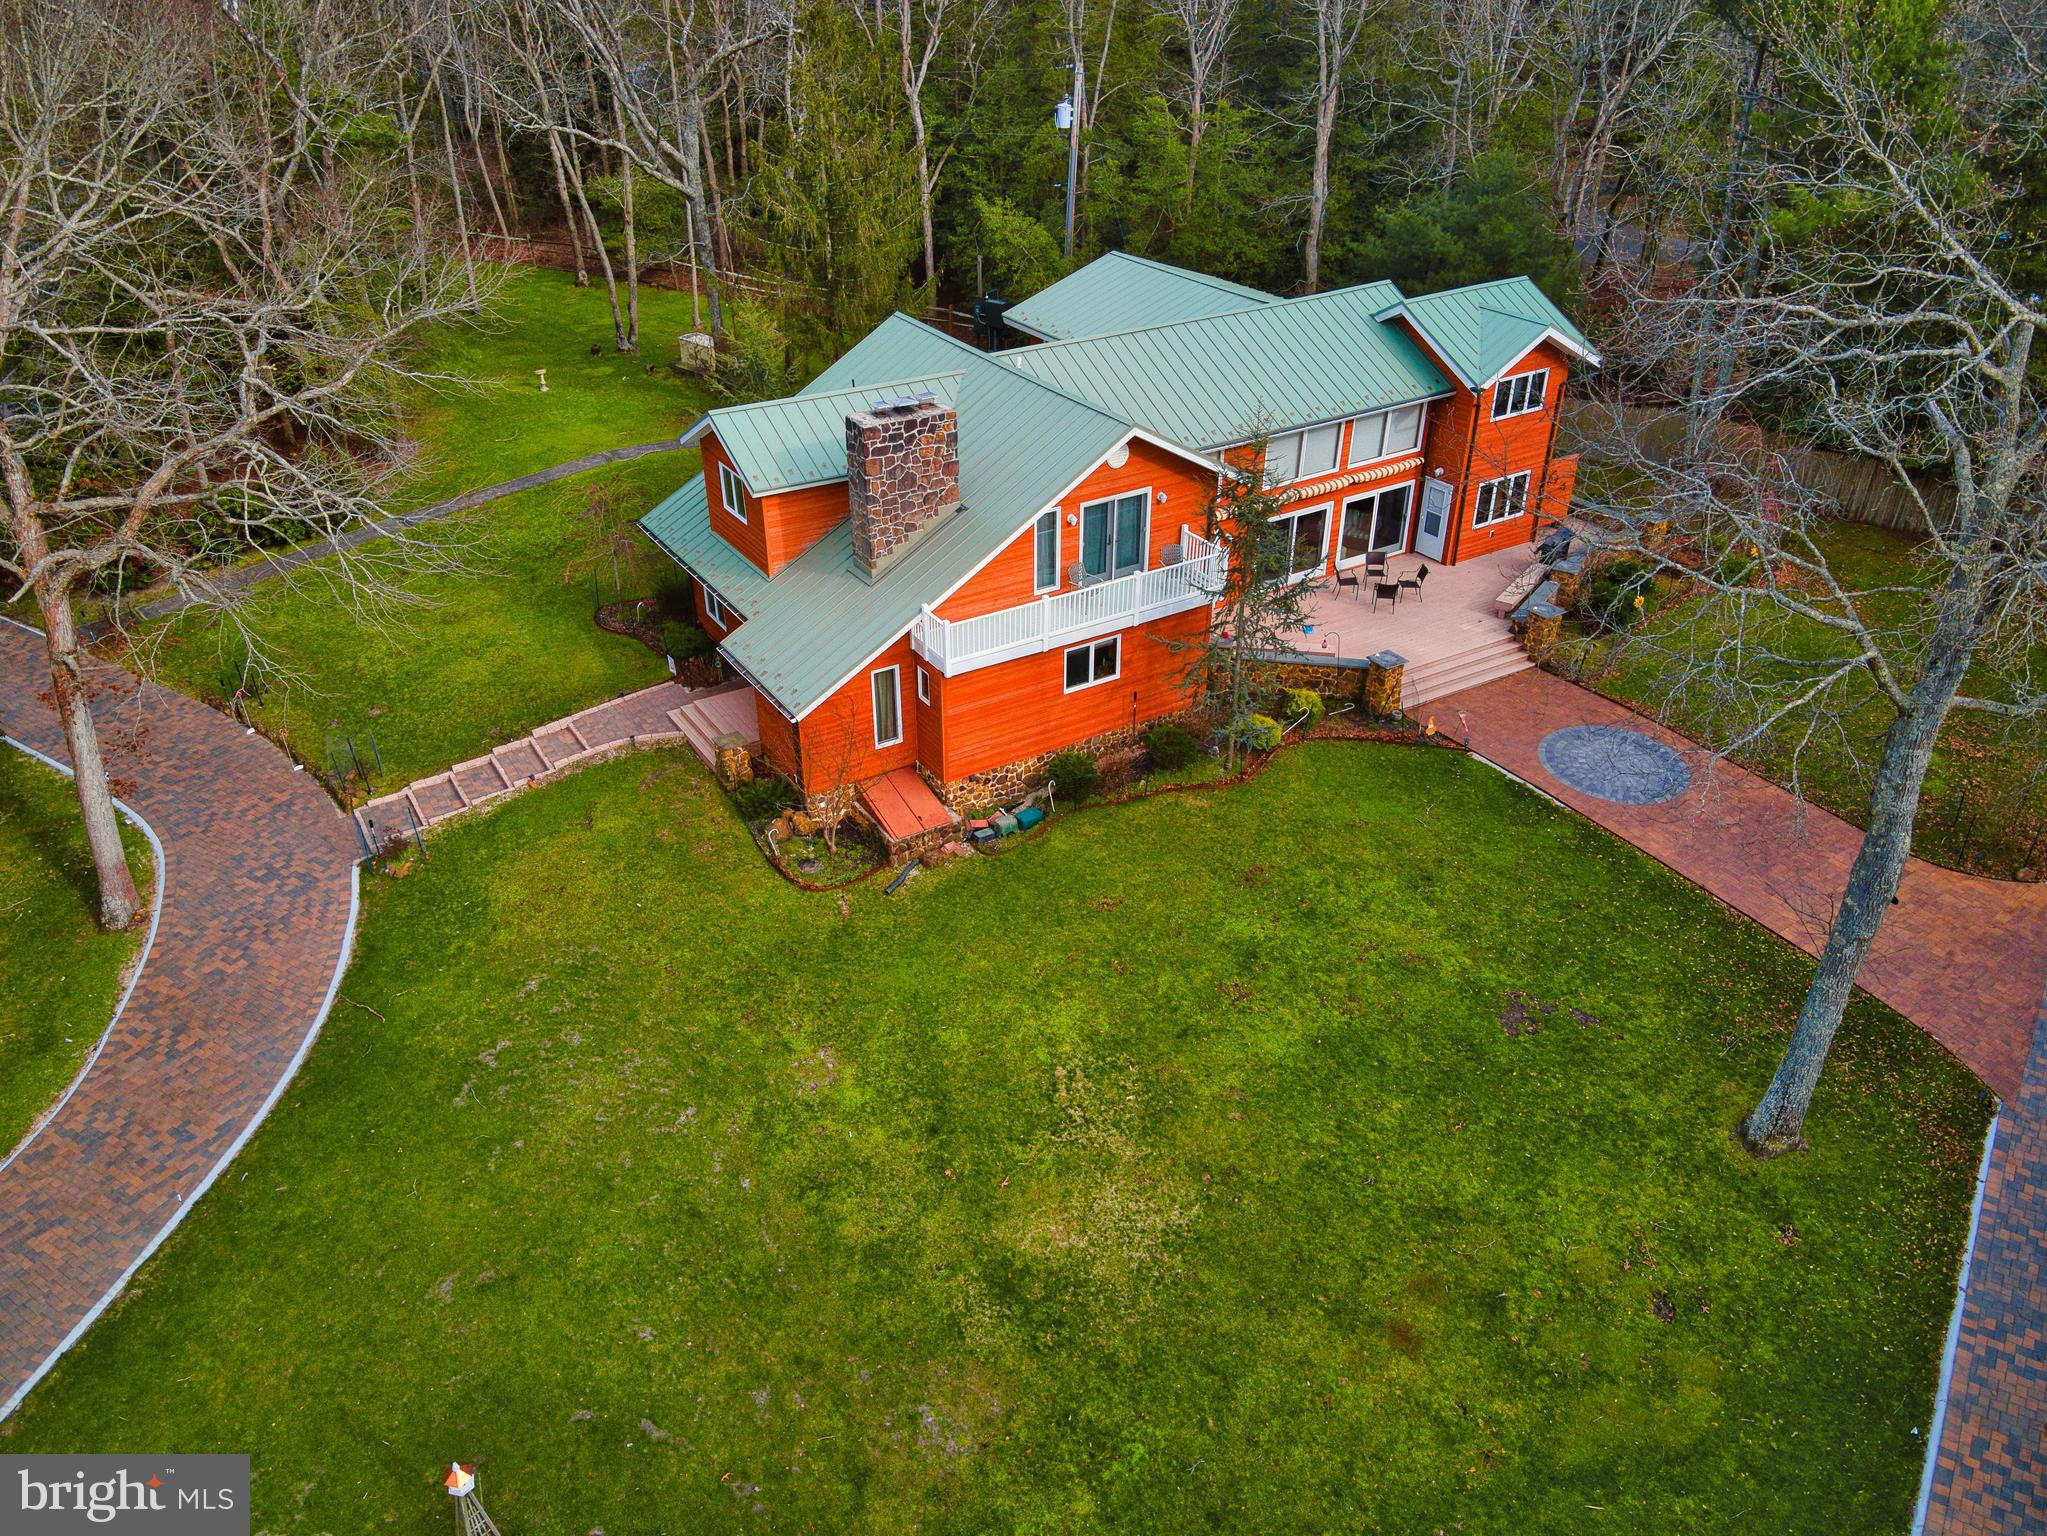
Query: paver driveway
[[258, 871]]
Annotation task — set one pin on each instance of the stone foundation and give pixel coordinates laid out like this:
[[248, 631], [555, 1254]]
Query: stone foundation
[[977, 793], [1339, 682]]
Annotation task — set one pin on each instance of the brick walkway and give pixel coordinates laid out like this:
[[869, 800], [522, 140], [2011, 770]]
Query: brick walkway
[[1990, 1470], [1963, 957], [258, 902]]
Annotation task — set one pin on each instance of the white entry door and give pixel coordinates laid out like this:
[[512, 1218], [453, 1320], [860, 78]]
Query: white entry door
[[1435, 519]]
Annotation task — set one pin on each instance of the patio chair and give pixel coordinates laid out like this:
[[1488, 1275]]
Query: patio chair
[[1375, 562], [1386, 589], [1349, 579], [1414, 583]]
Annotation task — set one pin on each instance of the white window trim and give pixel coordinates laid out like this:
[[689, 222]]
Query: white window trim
[[923, 686], [1504, 387], [1421, 434], [1144, 534], [1406, 527], [895, 683], [1089, 647], [1341, 424], [1328, 511], [1037, 532], [715, 610], [1478, 520], [731, 492]]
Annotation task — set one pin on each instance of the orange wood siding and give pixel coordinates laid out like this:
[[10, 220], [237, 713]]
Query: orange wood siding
[[1005, 581], [792, 521], [837, 737], [1558, 488], [746, 537], [1017, 709], [1469, 448], [778, 736]]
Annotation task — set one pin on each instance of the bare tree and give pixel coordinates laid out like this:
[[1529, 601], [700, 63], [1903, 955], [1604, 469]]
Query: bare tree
[[1610, 50], [1472, 59], [1205, 28], [202, 305], [923, 29], [1339, 25], [1900, 338]]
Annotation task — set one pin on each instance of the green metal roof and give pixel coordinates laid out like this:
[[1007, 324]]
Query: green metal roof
[[1486, 327], [820, 619], [777, 445], [1119, 292], [1231, 378]]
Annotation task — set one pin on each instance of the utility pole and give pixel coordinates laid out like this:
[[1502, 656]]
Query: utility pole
[[1073, 144]]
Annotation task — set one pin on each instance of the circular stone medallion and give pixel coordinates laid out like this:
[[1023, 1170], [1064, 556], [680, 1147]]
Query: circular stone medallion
[[1615, 764]]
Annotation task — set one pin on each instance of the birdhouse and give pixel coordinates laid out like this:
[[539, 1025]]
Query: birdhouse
[[460, 1481]]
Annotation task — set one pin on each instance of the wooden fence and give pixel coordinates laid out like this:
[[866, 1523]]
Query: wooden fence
[[1861, 490]]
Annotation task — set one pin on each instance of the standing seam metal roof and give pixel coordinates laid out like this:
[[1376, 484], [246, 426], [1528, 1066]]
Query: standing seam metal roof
[[1485, 327], [1231, 378], [1118, 291], [777, 445]]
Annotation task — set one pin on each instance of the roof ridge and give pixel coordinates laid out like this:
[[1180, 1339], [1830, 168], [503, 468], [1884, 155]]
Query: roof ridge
[[1168, 325], [993, 360], [1207, 278], [829, 394]]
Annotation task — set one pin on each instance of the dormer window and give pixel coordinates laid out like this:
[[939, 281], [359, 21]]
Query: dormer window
[[732, 492], [1520, 393]]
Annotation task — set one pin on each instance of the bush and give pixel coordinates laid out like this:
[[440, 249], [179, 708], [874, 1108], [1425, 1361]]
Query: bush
[[764, 798], [1258, 732], [1171, 746], [1305, 701], [683, 641], [1074, 775], [1618, 593]]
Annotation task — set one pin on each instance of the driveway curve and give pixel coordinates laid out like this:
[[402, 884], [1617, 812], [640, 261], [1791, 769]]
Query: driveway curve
[[255, 918]]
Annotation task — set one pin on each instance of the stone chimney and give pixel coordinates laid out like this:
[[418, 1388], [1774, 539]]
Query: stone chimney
[[902, 475]]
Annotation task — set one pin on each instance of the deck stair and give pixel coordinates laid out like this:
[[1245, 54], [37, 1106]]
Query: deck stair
[[648, 715], [1480, 663], [717, 712]]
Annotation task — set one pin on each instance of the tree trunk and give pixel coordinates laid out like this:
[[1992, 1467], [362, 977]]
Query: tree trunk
[[1778, 1122], [119, 900], [1318, 190], [561, 187]]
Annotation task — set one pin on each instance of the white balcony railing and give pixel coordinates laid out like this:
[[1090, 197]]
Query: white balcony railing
[[1067, 618]]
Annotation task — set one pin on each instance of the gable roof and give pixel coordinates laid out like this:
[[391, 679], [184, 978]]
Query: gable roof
[[1230, 378], [1119, 292], [1485, 328], [1022, 443], [779, 445]]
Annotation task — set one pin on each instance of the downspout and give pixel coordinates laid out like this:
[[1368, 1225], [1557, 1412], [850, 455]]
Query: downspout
[[1456, 542]]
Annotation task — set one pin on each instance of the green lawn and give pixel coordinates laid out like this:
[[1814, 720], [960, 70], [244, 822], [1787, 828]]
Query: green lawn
[[1985, 805], [1349, 1149], [485, 654], [59, 974]]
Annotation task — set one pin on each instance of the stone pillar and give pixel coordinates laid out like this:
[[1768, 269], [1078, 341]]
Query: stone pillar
[[1542, 628], [1569, 575], [1382, 684], [734, 762]]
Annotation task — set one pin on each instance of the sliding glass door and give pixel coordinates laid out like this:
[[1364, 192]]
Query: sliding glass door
[[1112, 536], [1375, 524]]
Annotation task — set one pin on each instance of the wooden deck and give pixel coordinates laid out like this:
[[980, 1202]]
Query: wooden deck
[[903, 805]]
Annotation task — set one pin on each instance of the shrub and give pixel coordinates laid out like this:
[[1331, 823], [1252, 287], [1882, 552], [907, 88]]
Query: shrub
[[683, 641], [1258, 732], [763, 798], [1074, 775], [1171, 746], [1305, 701], [1618, 593]]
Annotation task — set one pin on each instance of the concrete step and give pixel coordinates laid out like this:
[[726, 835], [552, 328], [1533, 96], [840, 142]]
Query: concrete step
[[1427, 674], [1468, 672]]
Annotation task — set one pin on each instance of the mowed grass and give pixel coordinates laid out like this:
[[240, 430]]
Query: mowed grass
[[1985, 801], [483, 653], [60, 975], [1177, 1170]]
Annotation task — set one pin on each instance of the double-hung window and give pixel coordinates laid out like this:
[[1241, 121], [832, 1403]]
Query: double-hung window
[[888, 706], [732, 491], [715, 610], [1307, 541], [1096, 662], [1501, 499], [1045, 552], [1520, 393]]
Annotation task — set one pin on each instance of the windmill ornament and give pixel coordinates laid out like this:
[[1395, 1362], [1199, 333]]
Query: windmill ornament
[[461, 1485]]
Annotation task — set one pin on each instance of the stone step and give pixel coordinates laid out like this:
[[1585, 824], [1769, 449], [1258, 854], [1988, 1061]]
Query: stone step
[[1469, 673], [1426, 674]]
